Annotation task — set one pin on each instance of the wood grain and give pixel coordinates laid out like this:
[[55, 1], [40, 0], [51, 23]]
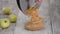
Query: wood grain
[[55, 16]]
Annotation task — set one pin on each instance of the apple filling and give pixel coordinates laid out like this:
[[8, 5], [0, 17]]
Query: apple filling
[[35, 22]]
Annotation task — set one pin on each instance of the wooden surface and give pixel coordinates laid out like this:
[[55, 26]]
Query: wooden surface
[[49, 10], [55, 16]]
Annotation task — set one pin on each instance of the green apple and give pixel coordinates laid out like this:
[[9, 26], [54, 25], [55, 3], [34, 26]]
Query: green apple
[[6, 10], [0, 20], [12, 18], [4, 23]]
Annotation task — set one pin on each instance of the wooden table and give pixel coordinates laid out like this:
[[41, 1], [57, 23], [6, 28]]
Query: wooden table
[[49, 10]]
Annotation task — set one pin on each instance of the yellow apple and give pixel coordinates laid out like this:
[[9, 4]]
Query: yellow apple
[[4, 23], [6, 10], [0, 20], [12, 18]]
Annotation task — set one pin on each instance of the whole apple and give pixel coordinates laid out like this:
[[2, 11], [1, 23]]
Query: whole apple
[[4, 23], [12, 18], [6, 11], [0, 20]]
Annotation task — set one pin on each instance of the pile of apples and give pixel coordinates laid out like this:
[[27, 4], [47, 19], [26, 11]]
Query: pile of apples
[[5, 22]]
